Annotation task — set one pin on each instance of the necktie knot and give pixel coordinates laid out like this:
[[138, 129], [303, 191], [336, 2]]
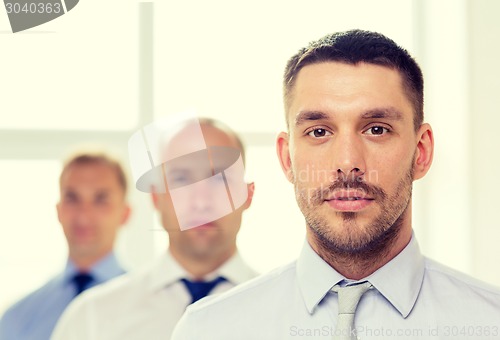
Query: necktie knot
[[200, 289], [349, 296], [82, 281]]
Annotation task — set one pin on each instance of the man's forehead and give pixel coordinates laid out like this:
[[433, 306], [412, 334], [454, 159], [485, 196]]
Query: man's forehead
[[89, 174], [340, 74], [89, 168], [189, 137], [173, 144], [323, 88]]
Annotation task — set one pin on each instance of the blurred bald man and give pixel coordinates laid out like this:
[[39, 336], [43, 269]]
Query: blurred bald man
[[202, 257]]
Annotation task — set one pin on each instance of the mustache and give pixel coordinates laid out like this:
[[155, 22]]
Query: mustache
[[368, 190]]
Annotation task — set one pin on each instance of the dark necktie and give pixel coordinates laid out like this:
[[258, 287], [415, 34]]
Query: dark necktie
[[200, 289], [82, 282]]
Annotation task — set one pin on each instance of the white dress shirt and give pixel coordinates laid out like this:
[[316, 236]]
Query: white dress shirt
[[142, 305], [414, 298]]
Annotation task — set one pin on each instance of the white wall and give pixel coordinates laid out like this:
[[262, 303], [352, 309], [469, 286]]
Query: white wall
[[484, 118], [456, 204], [443, 197]]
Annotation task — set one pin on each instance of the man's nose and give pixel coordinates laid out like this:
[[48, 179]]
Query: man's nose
[[348, 155], [84, 212], [204, 196]]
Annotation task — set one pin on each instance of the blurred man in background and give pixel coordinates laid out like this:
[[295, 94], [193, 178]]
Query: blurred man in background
[[91, 210], [202, 257]]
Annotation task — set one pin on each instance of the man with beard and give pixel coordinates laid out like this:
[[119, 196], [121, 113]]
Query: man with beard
[[202, 257], [356, 141]]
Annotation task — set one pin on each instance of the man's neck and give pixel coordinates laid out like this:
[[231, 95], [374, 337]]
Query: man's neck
[[84, 263], [358, 267], [199, 266]]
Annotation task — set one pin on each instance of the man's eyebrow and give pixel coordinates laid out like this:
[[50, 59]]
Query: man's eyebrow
[[306, 116], [386, 113]]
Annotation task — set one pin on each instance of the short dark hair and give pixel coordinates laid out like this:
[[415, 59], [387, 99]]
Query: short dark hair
[[90, 157], [353, 47]]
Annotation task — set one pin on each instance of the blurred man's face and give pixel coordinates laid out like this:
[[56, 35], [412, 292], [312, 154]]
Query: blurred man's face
[[197, 196], [92, 208]]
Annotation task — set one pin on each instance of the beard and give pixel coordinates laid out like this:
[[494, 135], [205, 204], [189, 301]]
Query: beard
[[350, 240]]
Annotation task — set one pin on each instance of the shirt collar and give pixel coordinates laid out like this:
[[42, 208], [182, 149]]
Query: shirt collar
[[399, 281], [235, 270], [315, 277], [166, 271], [106, 268]]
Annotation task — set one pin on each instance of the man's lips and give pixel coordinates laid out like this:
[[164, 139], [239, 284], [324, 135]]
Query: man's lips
[[83, 232], [203, 225], [349, 200], [351, 195]]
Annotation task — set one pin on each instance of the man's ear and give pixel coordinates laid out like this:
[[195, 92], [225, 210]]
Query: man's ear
[[58, 208], [251, 190], [425, 151], [283, 151], [126, 214], [154, 197]]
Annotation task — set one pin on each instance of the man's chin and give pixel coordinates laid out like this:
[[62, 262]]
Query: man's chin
[[202, 252], [202, 241], [359, 241], [347, 236]]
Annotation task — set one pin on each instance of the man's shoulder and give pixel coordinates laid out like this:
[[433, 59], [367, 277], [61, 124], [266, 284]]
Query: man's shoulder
[[243, 311], [124, 286], [93, 307], [251, 293], [454, 280], [30, 302]]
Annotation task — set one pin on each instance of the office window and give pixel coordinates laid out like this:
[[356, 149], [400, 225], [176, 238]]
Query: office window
[[77, 72]]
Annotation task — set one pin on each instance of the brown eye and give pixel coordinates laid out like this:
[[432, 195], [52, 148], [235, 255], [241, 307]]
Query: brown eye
[[318, 133], [377, 130]]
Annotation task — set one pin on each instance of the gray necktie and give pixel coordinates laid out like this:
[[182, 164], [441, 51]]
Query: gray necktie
[[349, 297]]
